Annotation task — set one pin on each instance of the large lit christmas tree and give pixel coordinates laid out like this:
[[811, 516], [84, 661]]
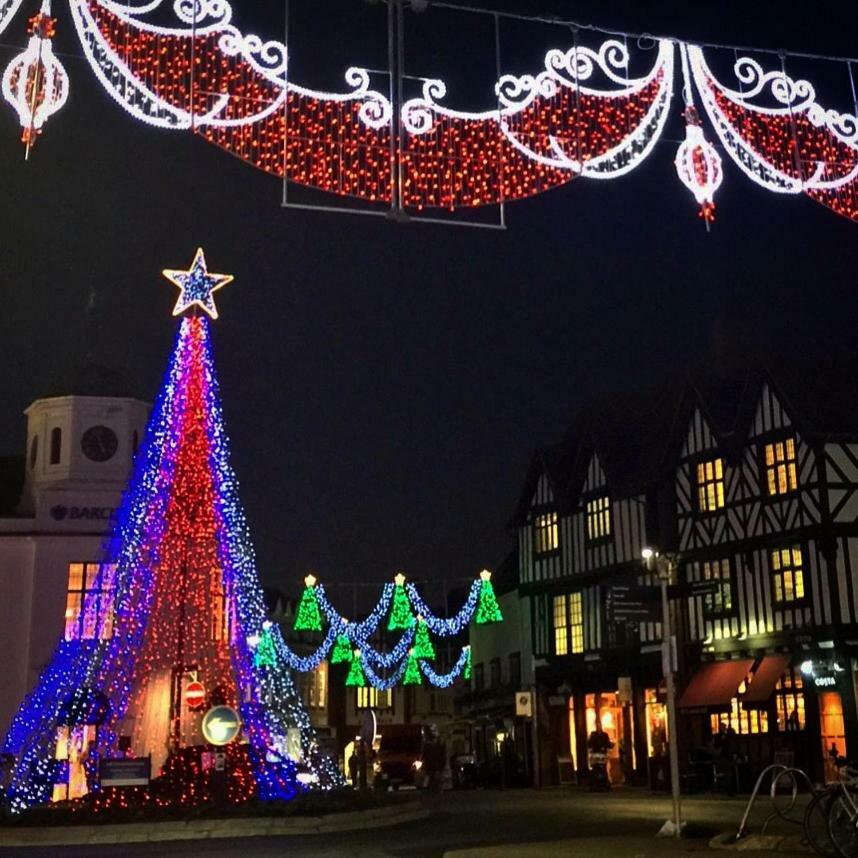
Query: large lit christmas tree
[[177, 602]]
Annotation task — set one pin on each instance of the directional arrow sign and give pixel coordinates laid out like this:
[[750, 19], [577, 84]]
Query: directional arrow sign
[[221, 724]]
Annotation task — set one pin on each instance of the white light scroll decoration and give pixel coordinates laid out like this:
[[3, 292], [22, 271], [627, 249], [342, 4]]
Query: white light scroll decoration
[[569, 70], [8, 10], [198, 19], [826, 139]]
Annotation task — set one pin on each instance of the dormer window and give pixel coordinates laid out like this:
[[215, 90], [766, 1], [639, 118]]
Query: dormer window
[[545, 534], [598, 518], [56, 445], [781, 477], [710, 485]]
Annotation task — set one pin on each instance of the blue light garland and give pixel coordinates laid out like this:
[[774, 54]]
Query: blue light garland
[[453, 625], [445, 680]]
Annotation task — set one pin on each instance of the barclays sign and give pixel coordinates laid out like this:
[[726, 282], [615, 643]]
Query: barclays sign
[[61, 512]]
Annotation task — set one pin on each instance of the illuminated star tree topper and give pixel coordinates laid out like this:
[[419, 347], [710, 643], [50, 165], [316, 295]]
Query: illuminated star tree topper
[[197, 285]]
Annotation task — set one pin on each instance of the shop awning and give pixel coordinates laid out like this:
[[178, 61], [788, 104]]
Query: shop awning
[[715, 684], [766, 677]]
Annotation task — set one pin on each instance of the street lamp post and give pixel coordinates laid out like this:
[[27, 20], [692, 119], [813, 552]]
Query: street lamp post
[[664, 565]]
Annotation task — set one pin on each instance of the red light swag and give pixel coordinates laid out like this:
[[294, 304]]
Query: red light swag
[[181, 65]]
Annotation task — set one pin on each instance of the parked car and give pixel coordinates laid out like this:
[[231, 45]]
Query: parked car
[[397, 761]]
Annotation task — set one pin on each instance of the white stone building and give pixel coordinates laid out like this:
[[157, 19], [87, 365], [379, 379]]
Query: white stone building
[[78, 459]]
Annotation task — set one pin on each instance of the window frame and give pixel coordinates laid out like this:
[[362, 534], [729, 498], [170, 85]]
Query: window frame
[[55, 451], [560, 630], [773, 441], [790, 688], [702, 461], [495, 673], [514, 661], [709, 611], [552, 527], [601, 516], [80, 623], [372, 698], [776, 573]]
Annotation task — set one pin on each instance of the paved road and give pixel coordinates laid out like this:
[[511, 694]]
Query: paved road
[[622, 823]]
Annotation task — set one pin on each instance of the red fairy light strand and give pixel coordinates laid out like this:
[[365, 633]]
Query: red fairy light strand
[[203, 74]]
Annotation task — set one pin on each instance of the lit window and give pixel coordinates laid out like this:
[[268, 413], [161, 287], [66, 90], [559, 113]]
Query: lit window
[[598, 518], [56, 445], [788, 574], [561, 634], [789, 697], [780, 467], [89, 601], [568, 618], [545, 536], [372, 698], [710, 485], [720, 600], [576, 622], [314, 687], [656, 723], [745, 722]]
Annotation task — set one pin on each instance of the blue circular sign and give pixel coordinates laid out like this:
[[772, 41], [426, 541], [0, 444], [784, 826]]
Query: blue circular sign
[[221, 724]]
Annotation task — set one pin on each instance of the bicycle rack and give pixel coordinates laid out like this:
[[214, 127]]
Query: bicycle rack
[[782, 813]]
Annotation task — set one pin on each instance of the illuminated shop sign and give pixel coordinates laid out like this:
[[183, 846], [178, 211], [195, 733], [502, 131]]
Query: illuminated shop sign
[[823, 674]]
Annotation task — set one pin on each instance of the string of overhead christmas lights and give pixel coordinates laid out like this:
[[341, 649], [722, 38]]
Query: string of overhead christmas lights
[[408, 661], [185, 65]]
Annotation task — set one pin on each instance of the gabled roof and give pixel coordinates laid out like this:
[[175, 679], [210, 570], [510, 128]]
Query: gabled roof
[[637, 435]]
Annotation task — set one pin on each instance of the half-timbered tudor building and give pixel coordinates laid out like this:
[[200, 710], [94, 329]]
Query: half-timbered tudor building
[[586, 512], [750, 478], [767, 534]]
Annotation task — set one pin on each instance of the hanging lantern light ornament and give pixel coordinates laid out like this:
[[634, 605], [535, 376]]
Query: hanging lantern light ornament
[[698, 165], [35, 82]]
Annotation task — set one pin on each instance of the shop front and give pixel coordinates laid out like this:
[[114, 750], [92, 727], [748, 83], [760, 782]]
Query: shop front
[[739, 716], [628, 724]]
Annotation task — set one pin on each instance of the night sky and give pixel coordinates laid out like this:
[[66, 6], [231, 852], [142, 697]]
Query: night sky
[[385, 385]]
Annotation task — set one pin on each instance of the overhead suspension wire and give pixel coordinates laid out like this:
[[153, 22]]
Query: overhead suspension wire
[[629, 34]]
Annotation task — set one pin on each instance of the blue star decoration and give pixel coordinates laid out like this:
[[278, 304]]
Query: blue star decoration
[[197, 286]]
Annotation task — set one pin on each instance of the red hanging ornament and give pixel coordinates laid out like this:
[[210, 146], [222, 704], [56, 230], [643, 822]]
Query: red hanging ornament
[[698, 165], [35, 82]]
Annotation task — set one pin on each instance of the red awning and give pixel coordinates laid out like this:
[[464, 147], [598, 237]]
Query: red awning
[[766, 677], [715, 684]]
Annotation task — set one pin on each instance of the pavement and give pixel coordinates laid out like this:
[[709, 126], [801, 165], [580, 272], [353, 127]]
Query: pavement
[[520, 823]]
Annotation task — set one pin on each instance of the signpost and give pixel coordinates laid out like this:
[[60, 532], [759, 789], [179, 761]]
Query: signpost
[[633, 602], [195, 695], [524, 704]]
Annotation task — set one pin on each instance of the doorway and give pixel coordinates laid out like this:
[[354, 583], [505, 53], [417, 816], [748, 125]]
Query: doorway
[[603, 708], [832, 730]]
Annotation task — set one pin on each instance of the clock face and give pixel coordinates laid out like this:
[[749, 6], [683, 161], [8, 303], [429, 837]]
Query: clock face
[[99, 443]]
